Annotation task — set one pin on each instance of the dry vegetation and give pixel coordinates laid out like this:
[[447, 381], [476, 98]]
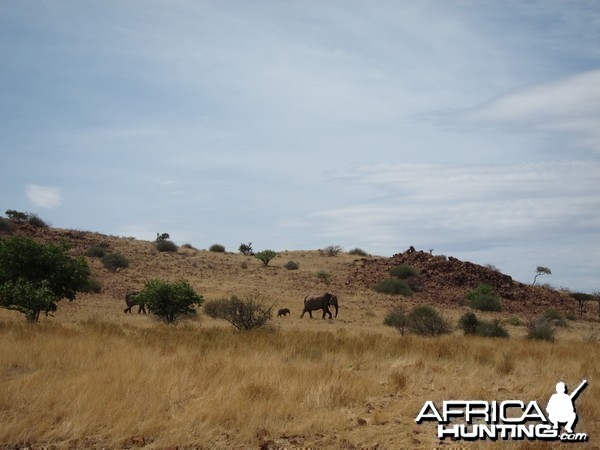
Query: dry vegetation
[[92, 377]]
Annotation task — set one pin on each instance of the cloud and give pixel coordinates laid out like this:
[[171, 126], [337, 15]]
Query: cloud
[[43, 196], [570, 105]]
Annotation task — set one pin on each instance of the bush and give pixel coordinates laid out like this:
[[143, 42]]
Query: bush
[[426, 321], [555, 317], [35, 276], [471, 325], [358, 252], [324, 277], [188, 246], [468, 323], [166, 246], [393, 286], [217, 248], [95, 251], [403, 271], [93, 286], [115, 262], [396, 318], [6, 226], [332, 250], [35, 221], [291, 265], [541, 329], [17, 216], [246, 249], [484, 299], [169, 302], [265, 256], [242, 314]]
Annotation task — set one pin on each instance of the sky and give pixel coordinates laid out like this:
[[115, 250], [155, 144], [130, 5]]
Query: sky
[[469, 128]]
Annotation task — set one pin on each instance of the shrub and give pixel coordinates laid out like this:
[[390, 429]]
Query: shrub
[[491, 329], [394, 286], [403, 271], [396, 318], [484, 299], [265, 256], [468, 323], [426, 321], [324, 277], [541, 329], [38, 275], [555, 317], [246, 249], [92, 285], [6, 226], [242, 314], [358, 252], [217, 248], [115, 262], [166, 245], [95, 251], [169, 302], [35, 221], [332, 250], [291, 265], [188, 246]]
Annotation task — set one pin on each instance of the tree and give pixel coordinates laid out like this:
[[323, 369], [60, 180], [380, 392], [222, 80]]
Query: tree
[[266, 256], [34, 276], [170, 302], [582, 298], [242, 314], [541, 270], [246, 249]]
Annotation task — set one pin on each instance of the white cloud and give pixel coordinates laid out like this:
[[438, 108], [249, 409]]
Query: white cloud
[[570, 104], [43, 196]]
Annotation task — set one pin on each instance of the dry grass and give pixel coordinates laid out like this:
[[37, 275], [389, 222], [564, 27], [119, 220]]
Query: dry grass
[[101, 384]]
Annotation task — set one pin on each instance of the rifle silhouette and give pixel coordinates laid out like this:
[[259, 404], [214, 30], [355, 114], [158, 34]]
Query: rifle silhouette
[[578, 389]]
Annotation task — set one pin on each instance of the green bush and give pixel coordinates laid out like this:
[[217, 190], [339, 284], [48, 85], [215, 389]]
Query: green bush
[[541, 329], [491, 329], [265, 256], [403, 271], [291, 265], [17, 216], [394, 286], [358, 252], [217, 248], [95, 251], [468, 323], [555, 317], [166, 245], [115, 262], [396, 318], [246, 249], [426, 321], [242, 314], [324, 277], [92, 286], [169, 302], [484, 299]]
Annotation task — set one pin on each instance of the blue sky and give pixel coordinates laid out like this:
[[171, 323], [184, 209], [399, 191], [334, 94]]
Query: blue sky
[[468, 127]]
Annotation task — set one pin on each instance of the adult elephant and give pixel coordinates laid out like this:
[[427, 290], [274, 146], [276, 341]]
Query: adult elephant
[[131, 300], [316, 302]]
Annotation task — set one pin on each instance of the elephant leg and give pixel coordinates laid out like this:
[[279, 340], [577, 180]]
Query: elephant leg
[[310, 314]]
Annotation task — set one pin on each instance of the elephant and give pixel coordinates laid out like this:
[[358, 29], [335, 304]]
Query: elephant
[[283, 312], [316, 302], [131, 301]]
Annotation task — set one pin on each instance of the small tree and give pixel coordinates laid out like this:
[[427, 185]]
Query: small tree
[[332, 250], [396, 318], [246, 249], [242, 314], [266, 256], [170, 302], [541, 270], [582, 299], [35, 276], [17, 216]]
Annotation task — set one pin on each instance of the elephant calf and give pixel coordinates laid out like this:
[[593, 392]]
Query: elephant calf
[[283, 312], [316, 302]]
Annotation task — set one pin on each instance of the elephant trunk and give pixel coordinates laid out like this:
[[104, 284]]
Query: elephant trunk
[[334, 302]]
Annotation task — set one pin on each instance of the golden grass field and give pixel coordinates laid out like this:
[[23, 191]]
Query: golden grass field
[[93, 377]]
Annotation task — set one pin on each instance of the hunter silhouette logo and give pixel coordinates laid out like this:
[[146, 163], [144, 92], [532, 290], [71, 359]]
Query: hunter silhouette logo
[[508, 419]]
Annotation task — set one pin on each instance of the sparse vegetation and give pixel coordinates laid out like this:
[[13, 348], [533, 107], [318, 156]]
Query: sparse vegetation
[[325, 277], [217, 248], [332, 250], [114, 262], [484, 299], [36, 221], [265, 256], [394, 286], [426, 321], [95, 251], [358, 252], [555, 317], [541, 329], [169, 302], [92, 286], [6, 226], [242, 314], [396, 318], [470, 324], [291, 265]]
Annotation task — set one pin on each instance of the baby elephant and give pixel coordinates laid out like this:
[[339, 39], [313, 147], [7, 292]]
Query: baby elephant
[[283, 312]]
